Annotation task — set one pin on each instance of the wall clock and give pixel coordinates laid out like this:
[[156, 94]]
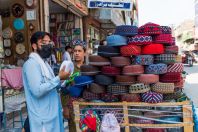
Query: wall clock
[[20, 49], [17, 10], [7, 33], [18, 37], [31, 3], [8, 52]]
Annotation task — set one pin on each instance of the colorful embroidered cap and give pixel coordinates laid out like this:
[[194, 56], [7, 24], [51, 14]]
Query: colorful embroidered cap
[[120, 61], [163, 39], [144, 59], [171, 77], [152, 97], [164, 88], [103, 80], [108, 51], [126, 30], [117, 89], [150, 29], [166, 30], [110, 70], [116, 40], [125, 80], [130, 50], [140, 40], [176, 67], [148, 78], [90, 96], [139, 88], [133, 70], [165, 58], [171, 49], [83, 80], [156, 69], [98, 60], [153, 49], [89, 70], [131, 97]]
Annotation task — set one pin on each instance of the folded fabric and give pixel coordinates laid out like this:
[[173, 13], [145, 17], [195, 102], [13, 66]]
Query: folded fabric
[[176, 95], [108, 51], [120, 61], [176, 67], [150, 29], [126, 30], [165, 58], [131, 97], [163, 88], [110, 70], [117, 89], [75, 91], [156, 69], [98, 60], [139, 88], [171, 77], [133, 70], [89, 70], [103, 80], [90, 96], [83, 80], [125, 80], [130, 50], [152, 97], [116, 40], [140, 40], [163, 39], [153, 49], [148, 78], [96, 88], [173, 49], [144, 59], [166, 30]]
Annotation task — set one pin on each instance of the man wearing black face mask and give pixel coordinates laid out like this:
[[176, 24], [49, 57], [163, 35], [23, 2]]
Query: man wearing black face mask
[[40, 84]]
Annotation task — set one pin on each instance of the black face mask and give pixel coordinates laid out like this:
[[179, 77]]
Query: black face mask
[[45, 51]]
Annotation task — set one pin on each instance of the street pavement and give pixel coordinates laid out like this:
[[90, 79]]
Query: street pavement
[[191, 83]]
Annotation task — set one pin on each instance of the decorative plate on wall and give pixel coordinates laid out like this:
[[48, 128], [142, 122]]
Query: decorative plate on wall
[[8, 52], [31, 3], [18, 37], [7, 43], [20, 49], [17, 10], [20, 62], [19, 24], [7, 33]]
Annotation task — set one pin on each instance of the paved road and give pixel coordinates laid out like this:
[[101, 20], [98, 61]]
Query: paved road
[[191, 83]]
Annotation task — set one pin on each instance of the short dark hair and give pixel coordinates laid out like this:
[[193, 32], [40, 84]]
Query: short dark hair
[[67, 47], [38, 35]]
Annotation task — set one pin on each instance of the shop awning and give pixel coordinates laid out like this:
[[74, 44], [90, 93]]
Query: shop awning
[[75, 6]]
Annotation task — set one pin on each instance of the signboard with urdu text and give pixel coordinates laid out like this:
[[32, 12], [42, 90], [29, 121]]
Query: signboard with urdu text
[[111, 4]]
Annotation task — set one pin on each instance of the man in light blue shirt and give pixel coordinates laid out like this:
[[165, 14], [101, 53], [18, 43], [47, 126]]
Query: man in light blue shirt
[[40, 84]]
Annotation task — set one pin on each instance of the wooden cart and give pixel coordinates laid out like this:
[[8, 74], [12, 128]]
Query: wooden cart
[[186, 110]]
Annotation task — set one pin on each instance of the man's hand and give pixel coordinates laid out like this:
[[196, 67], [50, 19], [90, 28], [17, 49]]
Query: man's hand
[[62, 74]]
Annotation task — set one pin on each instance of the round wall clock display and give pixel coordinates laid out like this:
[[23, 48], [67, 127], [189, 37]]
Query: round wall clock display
[[7, 33], [20, 49], [17, 10], [31, 3], [18, 37], [8, 52], [7, 43], [19, 24]]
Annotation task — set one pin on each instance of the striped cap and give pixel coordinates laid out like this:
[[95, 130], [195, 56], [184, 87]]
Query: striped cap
[[152, 97], [177, 67]]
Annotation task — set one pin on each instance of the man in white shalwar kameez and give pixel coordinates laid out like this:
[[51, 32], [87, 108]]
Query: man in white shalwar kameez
[[40, 84]]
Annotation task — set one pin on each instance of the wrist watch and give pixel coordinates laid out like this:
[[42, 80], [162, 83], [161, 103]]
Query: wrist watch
[[8, 52]]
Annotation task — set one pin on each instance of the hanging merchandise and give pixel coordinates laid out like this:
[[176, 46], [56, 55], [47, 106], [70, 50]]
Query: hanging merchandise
[[7, 33], [109, 123], [18, 24], [8, 52], [1, 48], [31, 3], [18, 37], [7, 43], [17, 10], [20, 49]]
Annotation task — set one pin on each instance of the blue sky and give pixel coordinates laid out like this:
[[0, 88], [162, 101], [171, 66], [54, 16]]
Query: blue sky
[[165, 12]]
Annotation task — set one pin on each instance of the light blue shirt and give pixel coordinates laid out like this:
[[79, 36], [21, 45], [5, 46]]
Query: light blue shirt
[[43, 102]]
